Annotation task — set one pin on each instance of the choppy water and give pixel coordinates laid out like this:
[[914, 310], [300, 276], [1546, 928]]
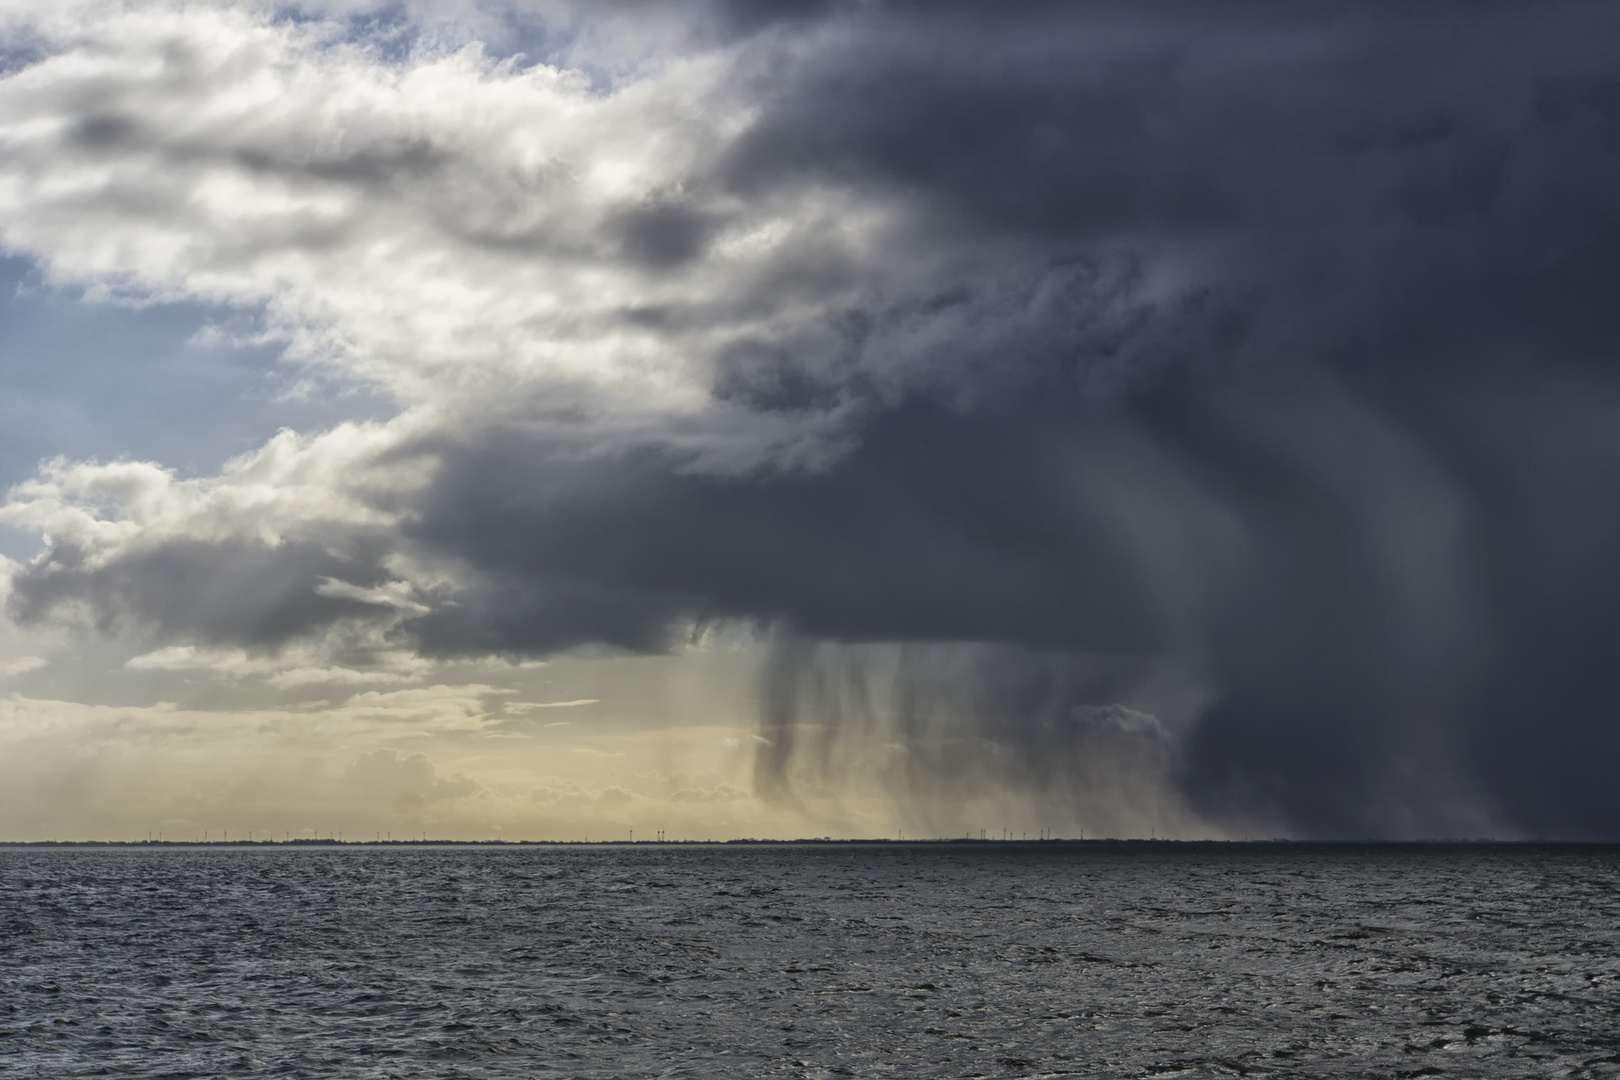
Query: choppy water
[[729, 961]]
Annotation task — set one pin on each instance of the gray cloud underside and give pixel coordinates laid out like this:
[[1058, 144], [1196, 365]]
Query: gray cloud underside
[[1280, 342]]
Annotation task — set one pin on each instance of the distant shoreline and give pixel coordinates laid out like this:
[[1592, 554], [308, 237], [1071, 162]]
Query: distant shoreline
[[1090, 844]]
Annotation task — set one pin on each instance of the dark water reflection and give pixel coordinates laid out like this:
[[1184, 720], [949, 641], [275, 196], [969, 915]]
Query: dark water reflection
[[730, 961]]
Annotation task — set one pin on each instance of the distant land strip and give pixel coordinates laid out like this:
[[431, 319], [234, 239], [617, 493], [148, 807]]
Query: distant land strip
[[1090, 844]]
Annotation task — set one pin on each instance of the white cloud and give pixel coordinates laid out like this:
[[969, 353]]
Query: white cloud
[[457, 231], [294, 488], [22, 665], [433, 708], [305, 664]]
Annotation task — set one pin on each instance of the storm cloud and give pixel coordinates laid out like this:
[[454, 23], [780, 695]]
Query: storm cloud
[[1223, 398]]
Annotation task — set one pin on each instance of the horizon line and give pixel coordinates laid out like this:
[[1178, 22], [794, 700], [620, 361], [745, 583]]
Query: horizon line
[[818, 840]]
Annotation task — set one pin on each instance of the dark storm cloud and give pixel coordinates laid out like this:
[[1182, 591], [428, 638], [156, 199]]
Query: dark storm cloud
[[1272, 343], [938, 526], [663, 234], [232, 592]]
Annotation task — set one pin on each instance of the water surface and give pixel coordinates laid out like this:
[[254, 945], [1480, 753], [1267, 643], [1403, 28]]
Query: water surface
[[944, 960]]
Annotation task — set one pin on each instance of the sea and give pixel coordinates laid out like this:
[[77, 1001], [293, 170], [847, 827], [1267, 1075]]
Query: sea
[[1096, 959]]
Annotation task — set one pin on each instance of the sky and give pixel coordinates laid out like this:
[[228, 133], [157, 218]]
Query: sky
[[549, 420]]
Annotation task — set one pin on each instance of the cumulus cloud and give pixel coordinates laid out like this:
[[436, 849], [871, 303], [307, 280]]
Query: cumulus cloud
[[288, 538], [22, 665], [1246, 370], [461, 232]]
